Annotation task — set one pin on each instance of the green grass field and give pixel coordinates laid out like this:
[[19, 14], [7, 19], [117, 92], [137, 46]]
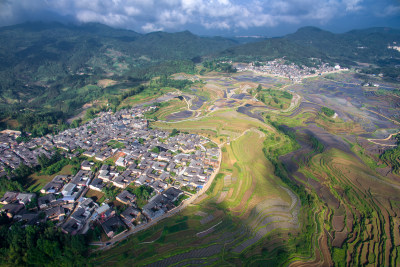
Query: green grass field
[[41, 180], [343, 213], [233, 201], [167, 108]]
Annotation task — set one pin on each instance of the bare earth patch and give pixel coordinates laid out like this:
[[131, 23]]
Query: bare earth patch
[[221, 197], [106, 82], [338, 223]]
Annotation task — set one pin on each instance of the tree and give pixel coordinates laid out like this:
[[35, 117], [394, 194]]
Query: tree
[[155, 149], [110, 192], [174, 132], [142, 192], [327, 111], [77, 122], [259, 88], [22, 172]]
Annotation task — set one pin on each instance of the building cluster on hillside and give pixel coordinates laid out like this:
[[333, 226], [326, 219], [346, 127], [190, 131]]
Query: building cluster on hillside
[[13, 154], [122, 152], [291, 71]]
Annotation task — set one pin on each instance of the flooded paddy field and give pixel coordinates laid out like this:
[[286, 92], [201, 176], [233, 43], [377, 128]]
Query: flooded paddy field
[[179, 115], [248, 110], [352, 101], [198, 102], [247, 208], [251, 77]]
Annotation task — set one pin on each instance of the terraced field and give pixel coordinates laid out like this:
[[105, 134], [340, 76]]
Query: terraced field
[[361, 203], [358, 221], [237, 213], [170, 107], [295, 187]]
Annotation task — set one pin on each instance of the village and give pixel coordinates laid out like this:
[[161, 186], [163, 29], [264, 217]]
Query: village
[[122, 155], [292, 71]]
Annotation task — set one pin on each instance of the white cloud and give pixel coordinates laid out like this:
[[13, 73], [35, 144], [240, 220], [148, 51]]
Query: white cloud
[[150, 27], [353, 5], [391, 10], [150, 15], [132, 11]]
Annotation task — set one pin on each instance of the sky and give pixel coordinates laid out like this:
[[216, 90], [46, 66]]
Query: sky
[[209, 17]]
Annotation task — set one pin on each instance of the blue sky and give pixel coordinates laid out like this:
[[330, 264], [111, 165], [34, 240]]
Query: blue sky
[[210, 17]]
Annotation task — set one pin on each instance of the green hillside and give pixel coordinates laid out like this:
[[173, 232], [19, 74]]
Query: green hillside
[[53, 68], [366, 46], [56, 67], [271, 49]]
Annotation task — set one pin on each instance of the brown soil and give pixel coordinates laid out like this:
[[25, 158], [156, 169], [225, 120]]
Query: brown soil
[[340, 237], [323, 249], [338, 223], [349, 220], [352, 236], [95, 195], [221, 197], [326, 195], [364, 254], [396, 234], [230, 193]]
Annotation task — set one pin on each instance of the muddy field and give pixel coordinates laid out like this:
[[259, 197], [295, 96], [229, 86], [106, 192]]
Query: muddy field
[[352, 102], [250, 77], [327, 139], [352, 204], [179, 115], [198, 102], [248, 110]]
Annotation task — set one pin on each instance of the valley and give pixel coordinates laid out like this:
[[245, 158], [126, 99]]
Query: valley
[[295, 186], [125, 149]]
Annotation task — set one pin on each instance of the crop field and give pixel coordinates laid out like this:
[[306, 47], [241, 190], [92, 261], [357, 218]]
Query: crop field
[[359, 208], [95, 195], [352, 101], [277, 99], [237, 212], [346, 176], [295, 187], [146, 97], [38, 181], [168, 108]]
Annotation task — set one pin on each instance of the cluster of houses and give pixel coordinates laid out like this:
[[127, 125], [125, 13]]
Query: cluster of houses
[[13, 154], [281, 68], [122, 152]]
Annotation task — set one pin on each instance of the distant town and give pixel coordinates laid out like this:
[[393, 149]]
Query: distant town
[[292, 71], [120, 154]]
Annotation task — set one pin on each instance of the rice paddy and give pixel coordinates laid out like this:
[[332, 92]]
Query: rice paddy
[[327, 204]]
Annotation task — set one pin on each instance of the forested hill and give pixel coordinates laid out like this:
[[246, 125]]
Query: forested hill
[[271, 49], [48, 65], [42, 51], [49, 38], [366, 46], [50, 70]]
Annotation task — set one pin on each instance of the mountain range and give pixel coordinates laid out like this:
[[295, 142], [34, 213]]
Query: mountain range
[[48, 66], [358, 46]]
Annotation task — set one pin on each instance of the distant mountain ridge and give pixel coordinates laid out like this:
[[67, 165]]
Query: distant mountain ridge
[[160, 45], [50, 60], [55, 67], [367, 45]]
